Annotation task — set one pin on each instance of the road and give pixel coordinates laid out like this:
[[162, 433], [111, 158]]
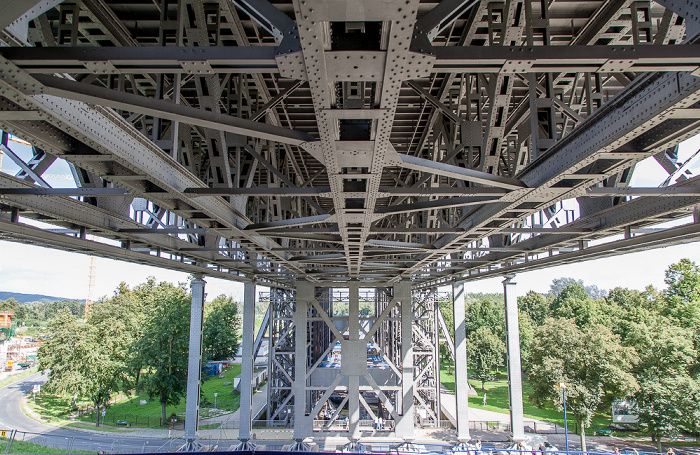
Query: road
[[12, 418]]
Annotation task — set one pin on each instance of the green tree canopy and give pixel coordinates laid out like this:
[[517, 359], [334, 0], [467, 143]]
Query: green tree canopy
[[90, 359], [162, 349], [485, 351], [589, 361], [669, 396], [485, 313], [221, 326], [574, 303], [535, 305]]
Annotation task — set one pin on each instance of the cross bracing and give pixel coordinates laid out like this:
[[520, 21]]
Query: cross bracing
[[278, 141]]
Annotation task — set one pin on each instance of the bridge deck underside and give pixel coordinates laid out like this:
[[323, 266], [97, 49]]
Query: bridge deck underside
[[278, 141]]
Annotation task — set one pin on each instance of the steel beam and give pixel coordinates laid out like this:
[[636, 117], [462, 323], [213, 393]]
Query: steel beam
[[89, 93], [515, 386], [247, 362], [470, 175], [194, 365]]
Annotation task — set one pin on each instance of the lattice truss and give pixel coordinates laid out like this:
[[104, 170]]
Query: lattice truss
[[281, 357], [327, 390], [426, 358], [284, 140]]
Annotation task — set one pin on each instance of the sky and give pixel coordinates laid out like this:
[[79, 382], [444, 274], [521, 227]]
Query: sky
[[36, 270]]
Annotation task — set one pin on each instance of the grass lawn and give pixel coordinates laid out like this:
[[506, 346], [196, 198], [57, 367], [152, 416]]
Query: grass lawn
[[16, 377], [57, 410], [29, 447], [497, 400]]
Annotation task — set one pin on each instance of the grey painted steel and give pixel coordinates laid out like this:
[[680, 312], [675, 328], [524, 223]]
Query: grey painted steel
[[151, 59], [247, 361], [461, 376], [261, 333], [409, 200], [194, 364], [469, 175], [302, 422], [164, 109], [12, 10], [404, 427], [515, 383], [355, 363], [28, 170], [66, 191], [269, 17]]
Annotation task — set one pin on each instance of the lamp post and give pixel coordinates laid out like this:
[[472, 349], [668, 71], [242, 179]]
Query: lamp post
[[215, 394], [566, 427]]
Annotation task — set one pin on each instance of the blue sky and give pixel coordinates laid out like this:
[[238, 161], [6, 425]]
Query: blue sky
[[37, 270]]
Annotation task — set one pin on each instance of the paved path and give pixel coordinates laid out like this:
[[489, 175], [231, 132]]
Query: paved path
[[258, 404], [143, 440]]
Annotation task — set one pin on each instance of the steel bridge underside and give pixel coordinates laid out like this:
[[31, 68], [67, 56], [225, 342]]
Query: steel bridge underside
[[379, 142]]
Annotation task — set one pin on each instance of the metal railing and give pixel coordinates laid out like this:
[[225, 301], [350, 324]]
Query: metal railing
[[13, 441]]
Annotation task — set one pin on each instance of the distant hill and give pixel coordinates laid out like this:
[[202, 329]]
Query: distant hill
[[25, 298]]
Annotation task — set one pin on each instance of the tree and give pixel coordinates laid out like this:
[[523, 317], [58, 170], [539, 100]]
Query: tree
[[527, 334], [161, 351], [534, 305], [668, 397], [574, 303], [558, 285], [485, 352], [59, 355], [682, 295], [90, 359], [591, 363], [683, 281], [221, 327], [485, 312]]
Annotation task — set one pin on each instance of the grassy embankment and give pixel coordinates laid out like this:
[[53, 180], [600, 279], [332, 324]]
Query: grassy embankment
[[497, 401], [30, 447], [17, 377], [56, 410]]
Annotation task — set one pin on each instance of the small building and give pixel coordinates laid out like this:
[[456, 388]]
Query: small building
[[6, 328]]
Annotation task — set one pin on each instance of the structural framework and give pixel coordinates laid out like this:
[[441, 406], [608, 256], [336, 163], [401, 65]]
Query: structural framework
[[350, 151]]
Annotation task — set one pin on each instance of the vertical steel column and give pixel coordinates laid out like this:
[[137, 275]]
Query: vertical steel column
[[302, 424], [354, 379], [461, 377], [404, 427], [247, 362], [515, 386], [194, 364]]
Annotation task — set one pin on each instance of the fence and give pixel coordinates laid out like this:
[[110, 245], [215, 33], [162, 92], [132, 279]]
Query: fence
[[342, 424], [129, 420], [71, 442]]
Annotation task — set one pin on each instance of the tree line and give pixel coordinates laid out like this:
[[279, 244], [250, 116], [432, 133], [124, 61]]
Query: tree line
[[136, 340], [642, 346], [39, 312]]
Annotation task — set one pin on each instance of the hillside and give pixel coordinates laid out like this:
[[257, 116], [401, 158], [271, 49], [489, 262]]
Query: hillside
[[25, 298]]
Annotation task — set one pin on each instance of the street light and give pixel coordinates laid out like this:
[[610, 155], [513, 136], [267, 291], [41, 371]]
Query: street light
[[215, 394], [566, 427]]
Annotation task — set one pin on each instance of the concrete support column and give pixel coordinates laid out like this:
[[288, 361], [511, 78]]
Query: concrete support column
[[302, 423], [247, 362], [404, 427], [461, 375], [515, 385], [194, 364]]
